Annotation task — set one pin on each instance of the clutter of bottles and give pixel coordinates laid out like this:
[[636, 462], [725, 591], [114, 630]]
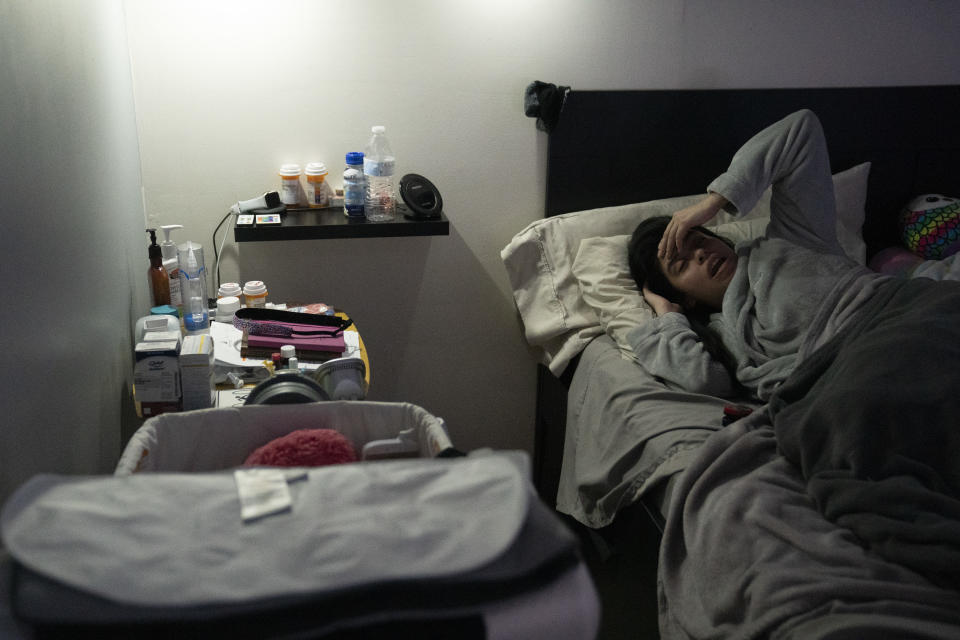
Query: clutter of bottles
[[177, 273], [174, 356], [369, 189], [178, 285]]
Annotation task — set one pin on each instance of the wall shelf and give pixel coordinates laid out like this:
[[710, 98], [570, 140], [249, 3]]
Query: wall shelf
[[316, 224]]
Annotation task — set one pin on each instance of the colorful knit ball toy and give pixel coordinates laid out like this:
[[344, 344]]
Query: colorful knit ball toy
[[931, 226], [304, 448]]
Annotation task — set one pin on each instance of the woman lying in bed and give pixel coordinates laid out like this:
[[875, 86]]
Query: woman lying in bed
[[860, 372], [749, 314]]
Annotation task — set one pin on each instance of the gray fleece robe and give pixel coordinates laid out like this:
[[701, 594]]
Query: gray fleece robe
[[792, 288]]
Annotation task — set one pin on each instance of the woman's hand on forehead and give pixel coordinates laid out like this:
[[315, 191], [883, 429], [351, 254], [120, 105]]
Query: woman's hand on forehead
[[675, 235]]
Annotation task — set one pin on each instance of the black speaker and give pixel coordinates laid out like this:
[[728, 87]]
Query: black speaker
[[422, 198]]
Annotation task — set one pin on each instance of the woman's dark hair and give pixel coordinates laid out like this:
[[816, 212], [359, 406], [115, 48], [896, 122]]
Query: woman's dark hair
[[646, 270], [644, 262]]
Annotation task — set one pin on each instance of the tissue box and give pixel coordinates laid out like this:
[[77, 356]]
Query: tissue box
[[196, 372]]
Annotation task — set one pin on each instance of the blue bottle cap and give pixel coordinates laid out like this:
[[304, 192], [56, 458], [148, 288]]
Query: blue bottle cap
[[164, 310], [355, 157]]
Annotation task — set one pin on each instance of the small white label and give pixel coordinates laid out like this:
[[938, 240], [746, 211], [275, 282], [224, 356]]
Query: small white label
[[383, 167], [262, 492], [175, 299], [290, 192], [245, 218], [154, 383]]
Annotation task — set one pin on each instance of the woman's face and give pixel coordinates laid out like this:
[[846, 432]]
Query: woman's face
[[701, 271]]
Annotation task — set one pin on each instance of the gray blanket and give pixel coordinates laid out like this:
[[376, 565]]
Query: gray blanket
[[871, 420], [832, 512]]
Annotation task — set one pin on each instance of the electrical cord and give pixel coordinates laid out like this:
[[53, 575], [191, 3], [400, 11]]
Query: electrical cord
[[216, 253], [270, 200]]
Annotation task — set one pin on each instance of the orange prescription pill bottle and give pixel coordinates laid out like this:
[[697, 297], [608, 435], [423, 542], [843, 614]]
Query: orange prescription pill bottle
[[317, 196], [255, 293], [290, 185]]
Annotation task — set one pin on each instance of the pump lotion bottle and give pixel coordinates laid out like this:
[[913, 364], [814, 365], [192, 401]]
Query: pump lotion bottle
[[158, 278]]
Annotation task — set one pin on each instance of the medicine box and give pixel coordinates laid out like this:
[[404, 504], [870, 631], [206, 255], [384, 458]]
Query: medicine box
[[196, 372], [156, 376]]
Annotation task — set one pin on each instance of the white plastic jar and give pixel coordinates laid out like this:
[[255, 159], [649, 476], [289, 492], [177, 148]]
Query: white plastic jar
[[227, 306], [229, 289]]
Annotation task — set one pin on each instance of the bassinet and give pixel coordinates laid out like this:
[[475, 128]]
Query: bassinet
[[434, 547]]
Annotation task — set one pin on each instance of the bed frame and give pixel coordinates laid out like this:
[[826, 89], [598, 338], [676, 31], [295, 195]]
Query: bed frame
[[617, 147]]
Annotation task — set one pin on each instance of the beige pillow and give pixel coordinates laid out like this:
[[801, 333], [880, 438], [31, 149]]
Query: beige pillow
[[557, 318], [603, 272], [539, 261], [850, 187]]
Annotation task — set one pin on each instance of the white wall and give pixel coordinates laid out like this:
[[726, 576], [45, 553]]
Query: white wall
[[72, 245], [226, 92]]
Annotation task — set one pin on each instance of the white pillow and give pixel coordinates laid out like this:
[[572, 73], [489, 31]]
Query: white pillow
[[539, 260], [850, 189], [603, 272], [559, 321]]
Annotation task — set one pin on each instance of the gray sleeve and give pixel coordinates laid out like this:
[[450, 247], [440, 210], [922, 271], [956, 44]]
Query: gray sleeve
[[666, 347], [791, 155]]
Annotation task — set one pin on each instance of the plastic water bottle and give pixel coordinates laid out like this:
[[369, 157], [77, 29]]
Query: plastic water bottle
[[378, 165], [354, 190]]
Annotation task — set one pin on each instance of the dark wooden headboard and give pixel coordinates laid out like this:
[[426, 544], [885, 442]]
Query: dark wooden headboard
[[618, 147]]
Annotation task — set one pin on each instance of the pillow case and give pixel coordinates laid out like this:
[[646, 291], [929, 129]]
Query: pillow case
[[539, 261], [558, 321]]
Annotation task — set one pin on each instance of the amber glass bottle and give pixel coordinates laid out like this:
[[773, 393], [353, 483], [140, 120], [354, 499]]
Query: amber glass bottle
[[159, 280]]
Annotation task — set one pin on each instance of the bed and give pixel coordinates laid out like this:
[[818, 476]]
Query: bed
[[611, 441]]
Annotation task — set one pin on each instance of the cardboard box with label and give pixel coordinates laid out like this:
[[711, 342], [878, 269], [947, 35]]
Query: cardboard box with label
[[156, 376], [196, 372]]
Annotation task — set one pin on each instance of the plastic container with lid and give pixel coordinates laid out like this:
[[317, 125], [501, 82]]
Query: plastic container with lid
[[229, 289], [290, 185], [317, 194], [165, 310], [227, 306], [255, 293]]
